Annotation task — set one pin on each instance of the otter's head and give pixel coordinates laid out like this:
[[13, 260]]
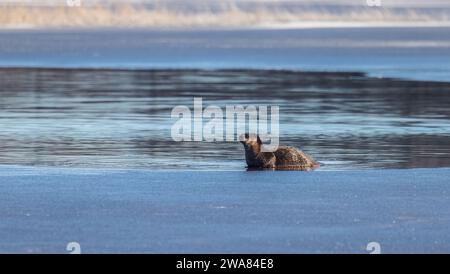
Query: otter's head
[[250, 141]]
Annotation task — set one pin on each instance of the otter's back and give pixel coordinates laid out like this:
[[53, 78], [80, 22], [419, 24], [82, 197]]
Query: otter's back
[[292, 157]]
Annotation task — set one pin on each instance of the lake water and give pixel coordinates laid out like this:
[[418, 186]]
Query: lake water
[[120, 117]]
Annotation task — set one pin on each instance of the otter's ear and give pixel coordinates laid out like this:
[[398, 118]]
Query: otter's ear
[[258, 140]]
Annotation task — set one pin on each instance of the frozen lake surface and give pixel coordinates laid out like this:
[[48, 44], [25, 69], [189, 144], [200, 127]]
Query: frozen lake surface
[[409, 52], [86, 154], [42, 209]]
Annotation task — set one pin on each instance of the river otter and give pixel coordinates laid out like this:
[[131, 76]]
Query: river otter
[[284, 158]]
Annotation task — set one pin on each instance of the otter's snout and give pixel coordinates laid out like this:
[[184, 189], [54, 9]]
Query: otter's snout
[[250, 139], [244, 138]]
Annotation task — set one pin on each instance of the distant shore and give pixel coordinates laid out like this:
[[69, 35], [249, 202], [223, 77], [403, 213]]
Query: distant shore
[[260, 26], [234, 14]]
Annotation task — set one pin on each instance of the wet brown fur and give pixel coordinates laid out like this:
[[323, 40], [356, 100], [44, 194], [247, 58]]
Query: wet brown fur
[[284, 158]]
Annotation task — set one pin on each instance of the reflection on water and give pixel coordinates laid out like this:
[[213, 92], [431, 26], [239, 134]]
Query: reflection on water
[[121, 119]]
